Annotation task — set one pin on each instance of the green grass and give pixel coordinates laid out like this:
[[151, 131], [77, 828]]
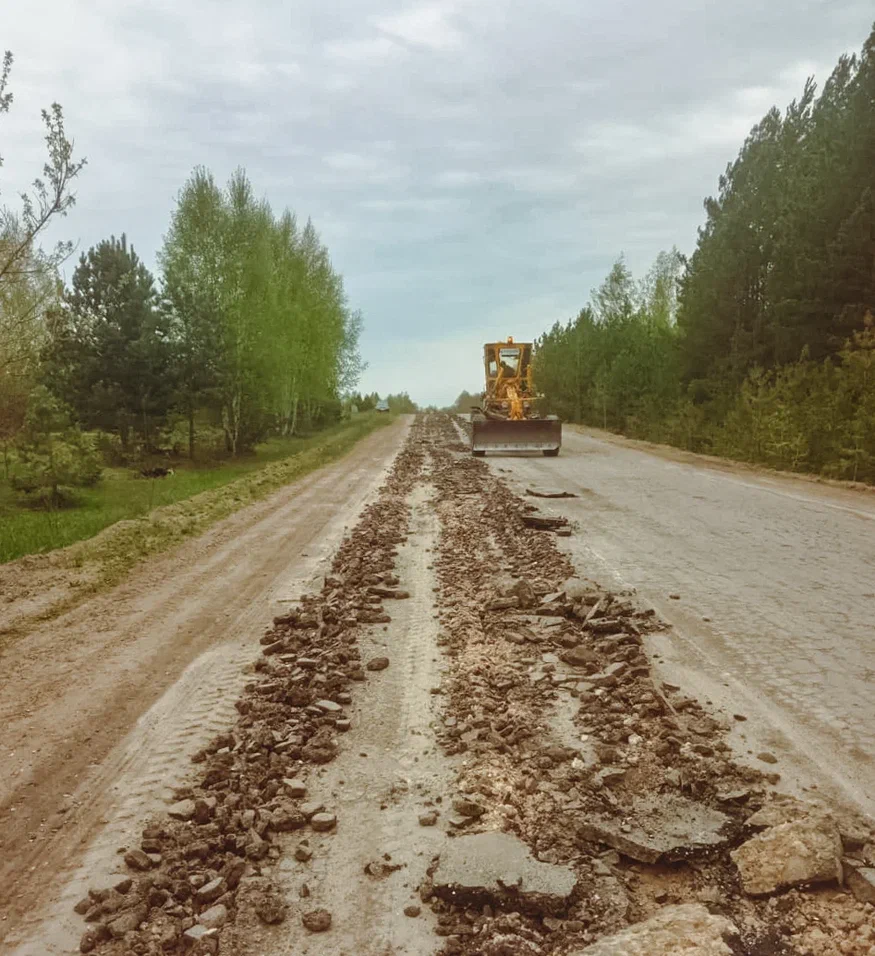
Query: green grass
[[121, 496]]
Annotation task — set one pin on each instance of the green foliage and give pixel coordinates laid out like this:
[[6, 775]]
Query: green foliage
[[464, 402], [761, 346], [401, 404], [50, 197], [261, 325], [151, 515], [365, 403], [29, 284], [109, 355], [52, 456], [615, 364], [784, 260]]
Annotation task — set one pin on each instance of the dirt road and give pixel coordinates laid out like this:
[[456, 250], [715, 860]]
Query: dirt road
[[380, 713], [776, 585], [102, 708]]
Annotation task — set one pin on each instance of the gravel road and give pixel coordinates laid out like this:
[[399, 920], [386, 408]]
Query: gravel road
[[775, 578]]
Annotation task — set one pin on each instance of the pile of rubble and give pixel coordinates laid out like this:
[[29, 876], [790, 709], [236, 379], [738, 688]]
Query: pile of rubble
[[596, 810], [570, 744], [198, 868]]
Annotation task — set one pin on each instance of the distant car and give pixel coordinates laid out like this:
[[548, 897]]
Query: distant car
[[382, 405]]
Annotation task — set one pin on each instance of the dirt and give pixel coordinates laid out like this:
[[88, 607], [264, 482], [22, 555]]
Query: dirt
[[102, 707], [452, 675]]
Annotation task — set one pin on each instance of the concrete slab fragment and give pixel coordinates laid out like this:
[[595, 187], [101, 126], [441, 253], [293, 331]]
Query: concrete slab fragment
[[687, 930], [498, 868], [663, 826]]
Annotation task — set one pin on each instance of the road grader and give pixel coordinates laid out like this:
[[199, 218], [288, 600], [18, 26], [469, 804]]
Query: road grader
[[507, 418]]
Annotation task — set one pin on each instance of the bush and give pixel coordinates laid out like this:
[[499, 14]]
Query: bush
[[209, 438], [52, 455]]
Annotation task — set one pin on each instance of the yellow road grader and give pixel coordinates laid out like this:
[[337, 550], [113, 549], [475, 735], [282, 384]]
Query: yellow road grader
[[507, 419]]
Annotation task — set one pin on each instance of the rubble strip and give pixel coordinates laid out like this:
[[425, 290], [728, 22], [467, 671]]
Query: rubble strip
[[570, 744], [208, 861]]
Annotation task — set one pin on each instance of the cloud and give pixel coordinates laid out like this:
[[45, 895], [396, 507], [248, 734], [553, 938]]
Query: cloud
[[473, 165], [363, 50], [426, 25]]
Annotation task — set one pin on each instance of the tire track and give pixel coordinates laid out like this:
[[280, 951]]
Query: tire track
[[139, 775]]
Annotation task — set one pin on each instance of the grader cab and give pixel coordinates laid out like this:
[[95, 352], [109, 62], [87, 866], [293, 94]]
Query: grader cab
[[507, 419]]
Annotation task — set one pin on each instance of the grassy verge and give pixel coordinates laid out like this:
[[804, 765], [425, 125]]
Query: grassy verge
[[101, 561], [122, 495]]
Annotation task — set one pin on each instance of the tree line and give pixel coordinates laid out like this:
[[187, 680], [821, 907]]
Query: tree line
[[249, 325], [761, 344], [246, 331], [400, 404]]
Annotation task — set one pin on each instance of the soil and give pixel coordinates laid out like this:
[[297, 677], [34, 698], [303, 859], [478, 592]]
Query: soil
[[101, 708]]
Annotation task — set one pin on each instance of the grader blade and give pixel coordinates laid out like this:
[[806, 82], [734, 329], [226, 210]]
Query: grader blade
[[504, 435]]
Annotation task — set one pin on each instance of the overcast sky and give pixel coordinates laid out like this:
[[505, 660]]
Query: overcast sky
[[474, 166]]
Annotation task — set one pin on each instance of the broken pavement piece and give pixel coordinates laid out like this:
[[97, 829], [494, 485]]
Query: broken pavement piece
[[183, 810], [215, 917], [532, 492], [468, 808], [543, 522], [860, 880], [495, 867], [197, 933], [802, 851], [128, 921], [211, 891], [667, 826], [672, 931], [523, 591], [138, 860], [317, 921]]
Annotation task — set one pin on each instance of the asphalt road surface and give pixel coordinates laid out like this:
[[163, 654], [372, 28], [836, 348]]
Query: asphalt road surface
[[775, 585]]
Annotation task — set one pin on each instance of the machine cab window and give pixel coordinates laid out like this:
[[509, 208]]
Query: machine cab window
[[510, 361]]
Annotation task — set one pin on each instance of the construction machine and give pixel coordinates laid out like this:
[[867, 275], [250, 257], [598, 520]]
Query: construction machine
[[507, 419]]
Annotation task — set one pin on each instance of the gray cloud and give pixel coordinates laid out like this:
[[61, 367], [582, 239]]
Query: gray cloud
[[473, 165]]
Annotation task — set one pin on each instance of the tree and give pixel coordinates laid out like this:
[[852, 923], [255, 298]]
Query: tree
[[27, 273], [464, 402], [29, 285], [191, 259], [401, 404], [109, 355], [52, 456], [260, 317]]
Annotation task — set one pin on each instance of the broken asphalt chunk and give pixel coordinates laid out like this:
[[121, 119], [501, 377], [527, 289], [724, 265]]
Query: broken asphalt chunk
[[671, 931], [497, 868], [665, 826], [802, 851]]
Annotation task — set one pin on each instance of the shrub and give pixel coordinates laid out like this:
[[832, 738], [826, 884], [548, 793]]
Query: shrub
[[52, 455]]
